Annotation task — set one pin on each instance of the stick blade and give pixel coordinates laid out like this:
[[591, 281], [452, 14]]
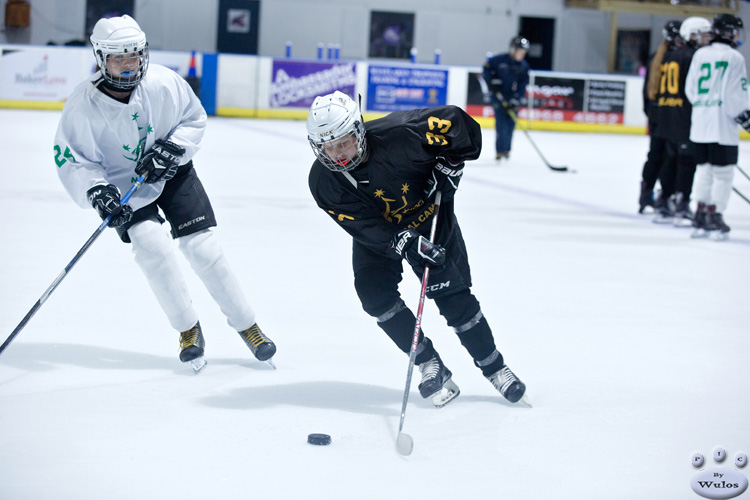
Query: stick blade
[[404, 444], [559, 169]]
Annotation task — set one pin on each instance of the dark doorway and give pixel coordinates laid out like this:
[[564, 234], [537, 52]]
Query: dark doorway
[[540, 31], [238, 26]]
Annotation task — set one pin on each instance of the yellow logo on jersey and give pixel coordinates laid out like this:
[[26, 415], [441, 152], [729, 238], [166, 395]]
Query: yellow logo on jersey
[[672, 102]]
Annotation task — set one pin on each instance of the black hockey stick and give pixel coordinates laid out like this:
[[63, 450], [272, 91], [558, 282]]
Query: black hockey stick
[[67, 269], [513, 115], [404, 442], [740, 194], [743, 172]]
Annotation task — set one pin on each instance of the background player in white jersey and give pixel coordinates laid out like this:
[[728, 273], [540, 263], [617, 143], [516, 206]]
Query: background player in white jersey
[[716, 86], [132, 119]]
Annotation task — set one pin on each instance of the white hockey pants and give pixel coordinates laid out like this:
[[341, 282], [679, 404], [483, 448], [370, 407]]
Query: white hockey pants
[[154, 253]]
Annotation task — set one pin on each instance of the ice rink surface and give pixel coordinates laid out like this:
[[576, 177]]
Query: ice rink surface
[[633, 339]]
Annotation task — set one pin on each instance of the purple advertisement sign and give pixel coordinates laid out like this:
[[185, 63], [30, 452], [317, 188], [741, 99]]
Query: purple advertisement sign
[[298, 83]]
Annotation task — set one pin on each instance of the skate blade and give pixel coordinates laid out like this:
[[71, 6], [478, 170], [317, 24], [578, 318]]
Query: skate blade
[[719, 236], [270, 363], [662, 220], [682, 223], [198, 364], [448, 393], [699, 233]]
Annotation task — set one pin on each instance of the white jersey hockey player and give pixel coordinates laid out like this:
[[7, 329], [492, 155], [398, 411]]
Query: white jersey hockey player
[[132, 119], [716, 86]]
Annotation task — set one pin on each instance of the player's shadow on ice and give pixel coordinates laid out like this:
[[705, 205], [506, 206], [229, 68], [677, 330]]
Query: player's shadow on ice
[[324, 394], [44, 357]]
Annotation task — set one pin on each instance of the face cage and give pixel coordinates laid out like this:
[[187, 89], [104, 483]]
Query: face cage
[[125, 82], [333, 165]]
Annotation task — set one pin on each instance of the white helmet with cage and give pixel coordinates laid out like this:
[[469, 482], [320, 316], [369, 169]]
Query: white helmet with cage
[[336, 132], [121, 51], [695, 31]]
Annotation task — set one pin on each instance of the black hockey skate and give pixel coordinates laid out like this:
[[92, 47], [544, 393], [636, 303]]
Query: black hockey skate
[[646, 199], [192, 347], [436, 384], [700, 225], [262, 347], [682, 216], [717, 228], [664, 212], [509, 386]]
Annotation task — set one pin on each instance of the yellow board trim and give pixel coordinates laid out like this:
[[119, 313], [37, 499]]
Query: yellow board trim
[[31, 105]]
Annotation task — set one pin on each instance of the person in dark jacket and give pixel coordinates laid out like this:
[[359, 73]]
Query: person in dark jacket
[[507, 76]]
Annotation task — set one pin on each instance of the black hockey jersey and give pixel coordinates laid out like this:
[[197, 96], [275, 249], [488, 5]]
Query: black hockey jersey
[[391, 182], [673, 109]]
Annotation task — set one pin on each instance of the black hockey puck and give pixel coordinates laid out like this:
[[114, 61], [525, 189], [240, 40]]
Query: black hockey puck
[[319, 439]]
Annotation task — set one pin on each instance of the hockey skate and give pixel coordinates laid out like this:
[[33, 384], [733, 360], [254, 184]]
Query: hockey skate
[[509, 386], [262, 347], [717, 228], [700, 228], [436, 384], [646, 200], [192, 347], [682, 216]]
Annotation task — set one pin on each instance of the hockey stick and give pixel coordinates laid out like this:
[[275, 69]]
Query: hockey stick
[[513, 115], [743, 172], [740, 194], [404, 442], [67, 269]]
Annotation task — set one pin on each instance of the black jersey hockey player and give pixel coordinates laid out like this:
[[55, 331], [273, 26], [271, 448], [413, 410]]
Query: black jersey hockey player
[[378, 182], [673, 111]]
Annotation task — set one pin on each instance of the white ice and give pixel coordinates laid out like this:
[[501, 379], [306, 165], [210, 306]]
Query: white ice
[[633, 339]]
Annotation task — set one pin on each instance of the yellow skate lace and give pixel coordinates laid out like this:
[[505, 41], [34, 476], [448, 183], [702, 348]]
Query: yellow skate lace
[[254, 336], [190, 337]]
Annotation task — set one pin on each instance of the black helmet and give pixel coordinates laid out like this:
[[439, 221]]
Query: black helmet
[[671, 30], [727, 27], [519, 42]]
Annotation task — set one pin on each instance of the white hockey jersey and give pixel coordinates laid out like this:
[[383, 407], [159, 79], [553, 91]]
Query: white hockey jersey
[[716, 86], [100, 140]]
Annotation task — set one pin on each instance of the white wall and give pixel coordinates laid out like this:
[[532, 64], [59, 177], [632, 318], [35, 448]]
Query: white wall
[[464, 30]]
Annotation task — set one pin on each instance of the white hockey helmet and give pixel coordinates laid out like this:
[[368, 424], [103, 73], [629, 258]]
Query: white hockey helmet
[[695, 31], [336, 132], [120, 38]]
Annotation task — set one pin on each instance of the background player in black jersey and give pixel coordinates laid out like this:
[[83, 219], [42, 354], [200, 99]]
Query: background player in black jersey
[[673, 112], [657, 149], [378, 182]]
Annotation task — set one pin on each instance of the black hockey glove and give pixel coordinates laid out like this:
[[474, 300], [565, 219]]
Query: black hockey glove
[[495, 85], [744, 119], [160, 163], [445, 178], [513, 105], [106, 201], [416, 249]]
